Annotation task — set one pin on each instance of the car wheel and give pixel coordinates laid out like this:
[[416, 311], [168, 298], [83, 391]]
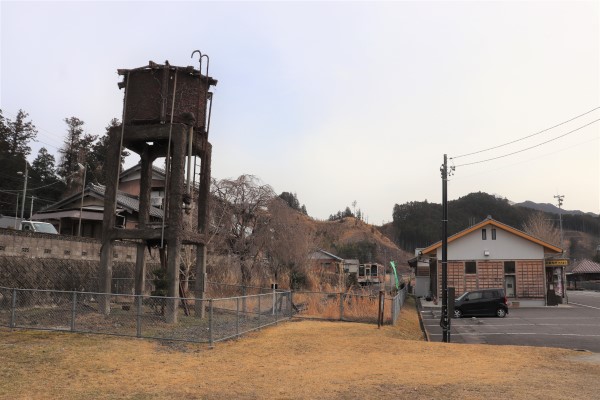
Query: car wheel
[[457, 313], [501, 312]]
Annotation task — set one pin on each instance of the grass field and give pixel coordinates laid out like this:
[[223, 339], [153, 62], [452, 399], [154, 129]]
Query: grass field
[[295, 360]]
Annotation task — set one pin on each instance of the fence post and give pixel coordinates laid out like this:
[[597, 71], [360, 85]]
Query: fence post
[[73, 311], [381, 303], [210, 322], [341, 306], [274, 297], [138, 319], [13, 308], [237, 316], [244, 309], [291, 303]]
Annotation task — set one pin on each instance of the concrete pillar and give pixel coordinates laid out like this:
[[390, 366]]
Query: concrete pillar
[[174, 231], [144, 215], [108, 224], [204, 191]]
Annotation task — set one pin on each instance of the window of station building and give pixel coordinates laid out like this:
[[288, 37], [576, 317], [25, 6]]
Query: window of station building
[[484, 234], [493, 233], [509, 267], [470, 267]]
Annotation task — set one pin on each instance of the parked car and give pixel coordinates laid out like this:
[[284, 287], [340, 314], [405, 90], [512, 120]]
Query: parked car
[[36, 226], [482, 302]]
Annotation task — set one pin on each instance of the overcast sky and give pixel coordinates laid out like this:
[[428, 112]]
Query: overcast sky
[[339, 101]]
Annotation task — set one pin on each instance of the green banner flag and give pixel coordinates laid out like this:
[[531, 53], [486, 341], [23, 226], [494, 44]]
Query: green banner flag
[[393, 264]]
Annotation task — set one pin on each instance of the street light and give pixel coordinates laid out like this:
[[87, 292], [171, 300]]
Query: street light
[[24, 190], [82, 193]]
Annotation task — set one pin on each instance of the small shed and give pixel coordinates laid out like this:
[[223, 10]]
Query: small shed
[[583, 274]]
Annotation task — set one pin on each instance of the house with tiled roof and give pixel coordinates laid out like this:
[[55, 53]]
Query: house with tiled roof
[[491, 254], [583, 274], [88, 207], [67, 213]]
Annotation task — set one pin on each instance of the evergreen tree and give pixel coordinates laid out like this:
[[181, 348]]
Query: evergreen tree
[[96, 158], [43, 176], [18, 133], [76, 149]]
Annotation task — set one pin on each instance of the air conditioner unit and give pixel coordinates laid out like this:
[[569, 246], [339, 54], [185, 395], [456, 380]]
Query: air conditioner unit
[[156, 201]]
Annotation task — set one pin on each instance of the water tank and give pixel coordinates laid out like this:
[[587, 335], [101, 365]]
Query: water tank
[[150, 89]]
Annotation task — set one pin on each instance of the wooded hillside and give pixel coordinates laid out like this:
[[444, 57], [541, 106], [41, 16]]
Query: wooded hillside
[[418, 224]]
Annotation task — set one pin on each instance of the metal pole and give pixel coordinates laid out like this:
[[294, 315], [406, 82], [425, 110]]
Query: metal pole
[[138, 323], [210, 322], [17, 211], [31, 209], [73, 311], [13, 308], [237, 316], [82, 193], [445, 321], [24, 191]]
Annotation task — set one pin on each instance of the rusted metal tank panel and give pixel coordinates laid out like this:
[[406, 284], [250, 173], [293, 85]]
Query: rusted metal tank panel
[[149, 98]]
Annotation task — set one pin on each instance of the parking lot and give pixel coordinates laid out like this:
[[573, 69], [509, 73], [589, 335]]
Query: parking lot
[[575, 325]]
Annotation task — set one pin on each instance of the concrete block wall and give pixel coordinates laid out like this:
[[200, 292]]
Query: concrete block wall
[[15, 243]]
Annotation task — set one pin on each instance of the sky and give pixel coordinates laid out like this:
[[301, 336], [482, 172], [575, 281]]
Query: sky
[[340, 101]]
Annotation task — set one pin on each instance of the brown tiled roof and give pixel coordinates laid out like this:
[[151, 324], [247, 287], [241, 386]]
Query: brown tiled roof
[[584, 267]]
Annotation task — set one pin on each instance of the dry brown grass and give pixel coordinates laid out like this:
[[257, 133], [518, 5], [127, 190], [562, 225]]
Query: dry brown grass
[[296, 360]]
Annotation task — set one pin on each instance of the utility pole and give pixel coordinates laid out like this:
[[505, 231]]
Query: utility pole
[[24, 192], [31, 209], [445, 321], [559, 198]]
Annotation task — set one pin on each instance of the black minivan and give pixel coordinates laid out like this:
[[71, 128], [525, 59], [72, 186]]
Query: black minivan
[[481, 302]]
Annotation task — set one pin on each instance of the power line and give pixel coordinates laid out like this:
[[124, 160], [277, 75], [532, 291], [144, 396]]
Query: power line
[[526, 137], [531, 147], [479, 172]]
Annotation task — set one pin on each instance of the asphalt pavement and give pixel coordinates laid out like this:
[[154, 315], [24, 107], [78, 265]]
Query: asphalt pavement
[[575, 325]]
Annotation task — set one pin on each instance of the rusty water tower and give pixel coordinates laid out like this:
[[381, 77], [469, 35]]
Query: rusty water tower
[[166, 113]]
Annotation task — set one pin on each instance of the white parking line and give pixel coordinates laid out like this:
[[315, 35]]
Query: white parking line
[[584, 305], [515, 334], [511, 325]]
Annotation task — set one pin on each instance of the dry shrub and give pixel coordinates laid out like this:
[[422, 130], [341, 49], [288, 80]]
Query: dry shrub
[[356, 306]]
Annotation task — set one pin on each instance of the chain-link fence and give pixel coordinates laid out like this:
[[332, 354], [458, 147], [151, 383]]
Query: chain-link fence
[[354, 307], [184, 319], [142, 316]]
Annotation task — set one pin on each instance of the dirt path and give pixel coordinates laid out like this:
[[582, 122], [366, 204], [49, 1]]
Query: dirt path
[[295, 360]]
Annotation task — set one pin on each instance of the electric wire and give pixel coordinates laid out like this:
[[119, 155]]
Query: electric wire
[[530, 147], [526, 137]]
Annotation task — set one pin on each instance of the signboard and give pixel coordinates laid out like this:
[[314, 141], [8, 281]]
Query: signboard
[[557, 263]]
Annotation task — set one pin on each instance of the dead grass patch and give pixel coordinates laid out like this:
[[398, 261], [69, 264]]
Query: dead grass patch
[[297, 360]]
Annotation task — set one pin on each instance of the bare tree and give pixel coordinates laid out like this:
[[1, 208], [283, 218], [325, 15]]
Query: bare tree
[[540, 226], [240, 207], [286, 242]]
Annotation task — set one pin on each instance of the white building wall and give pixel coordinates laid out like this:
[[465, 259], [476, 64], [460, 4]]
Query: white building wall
[[507, 246]]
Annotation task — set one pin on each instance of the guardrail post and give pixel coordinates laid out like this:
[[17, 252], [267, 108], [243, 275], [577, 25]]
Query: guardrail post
[[13, 308], [341, 306], [73, 311], [138, 319], [210, 322]]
